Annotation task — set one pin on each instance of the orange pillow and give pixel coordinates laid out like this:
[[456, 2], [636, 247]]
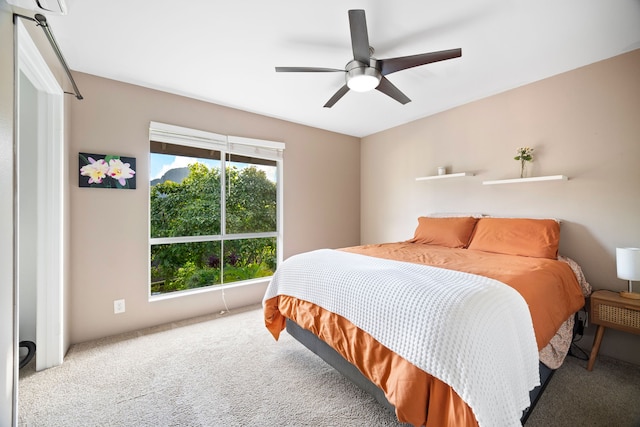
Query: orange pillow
[[453, 232], [538, 238]]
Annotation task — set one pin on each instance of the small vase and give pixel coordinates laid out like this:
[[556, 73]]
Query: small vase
[[523, 169]]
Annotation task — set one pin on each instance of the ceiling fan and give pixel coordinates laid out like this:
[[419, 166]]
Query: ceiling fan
[[364, 72]]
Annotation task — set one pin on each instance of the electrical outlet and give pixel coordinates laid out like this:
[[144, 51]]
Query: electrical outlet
[[583, 316], [118, 306]]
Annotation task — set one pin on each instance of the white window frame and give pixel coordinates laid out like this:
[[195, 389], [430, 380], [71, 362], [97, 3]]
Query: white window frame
[[226, 144]]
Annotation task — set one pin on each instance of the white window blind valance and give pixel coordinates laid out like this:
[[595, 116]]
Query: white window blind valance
[[172, 134], [255, 147]]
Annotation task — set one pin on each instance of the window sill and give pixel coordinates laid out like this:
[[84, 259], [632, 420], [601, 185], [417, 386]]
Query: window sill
[[207, 289]]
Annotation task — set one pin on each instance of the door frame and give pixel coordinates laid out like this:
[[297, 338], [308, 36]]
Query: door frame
[[50, 200]]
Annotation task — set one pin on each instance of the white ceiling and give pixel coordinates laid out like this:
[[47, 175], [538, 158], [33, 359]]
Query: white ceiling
[[225, 51]]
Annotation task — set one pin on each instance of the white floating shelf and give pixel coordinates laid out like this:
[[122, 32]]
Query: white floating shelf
[[533, 179], [446, 175]]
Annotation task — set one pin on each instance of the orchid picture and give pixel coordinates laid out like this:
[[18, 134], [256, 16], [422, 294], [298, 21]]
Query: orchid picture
[[106, 171]]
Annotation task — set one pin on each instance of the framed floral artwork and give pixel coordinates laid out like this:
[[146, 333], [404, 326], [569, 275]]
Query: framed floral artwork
[[106, 171]]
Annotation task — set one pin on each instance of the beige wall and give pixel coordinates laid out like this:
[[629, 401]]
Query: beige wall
[[109, 235], [584, 124]]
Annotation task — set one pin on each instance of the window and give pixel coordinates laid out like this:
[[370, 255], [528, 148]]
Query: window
[[209, 228]]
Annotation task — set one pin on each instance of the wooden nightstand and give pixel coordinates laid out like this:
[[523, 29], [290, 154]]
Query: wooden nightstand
[[610, 310]]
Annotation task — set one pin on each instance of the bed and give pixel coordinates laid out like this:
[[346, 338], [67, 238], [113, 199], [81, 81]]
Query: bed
[[461, 325]]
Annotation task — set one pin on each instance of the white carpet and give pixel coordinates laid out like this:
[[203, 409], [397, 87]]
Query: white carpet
[[222, 372], [226, 370]]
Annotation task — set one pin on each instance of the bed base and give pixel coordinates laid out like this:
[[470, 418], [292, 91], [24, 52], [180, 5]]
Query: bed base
[[339, 363]]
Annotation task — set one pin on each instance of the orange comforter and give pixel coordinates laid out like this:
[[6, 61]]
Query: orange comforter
[[549, 287]]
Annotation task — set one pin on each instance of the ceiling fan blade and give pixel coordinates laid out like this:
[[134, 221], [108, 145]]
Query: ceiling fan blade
[[306, 70], [339, 94], [359, 36], [391, 65], [389, 89]]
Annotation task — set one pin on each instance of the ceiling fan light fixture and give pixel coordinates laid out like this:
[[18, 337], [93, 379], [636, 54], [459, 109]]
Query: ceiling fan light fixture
[[363, 79]]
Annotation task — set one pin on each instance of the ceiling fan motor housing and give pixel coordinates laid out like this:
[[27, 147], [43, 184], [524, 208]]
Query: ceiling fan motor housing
[[362, 77]]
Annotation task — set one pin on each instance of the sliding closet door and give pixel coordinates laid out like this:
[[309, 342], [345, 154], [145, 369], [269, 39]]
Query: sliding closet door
[[39, 203]]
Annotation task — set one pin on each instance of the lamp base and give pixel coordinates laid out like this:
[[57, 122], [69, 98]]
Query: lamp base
[[630, 295]]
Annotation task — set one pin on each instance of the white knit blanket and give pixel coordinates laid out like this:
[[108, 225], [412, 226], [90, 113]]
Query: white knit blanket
[[469, 331]]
